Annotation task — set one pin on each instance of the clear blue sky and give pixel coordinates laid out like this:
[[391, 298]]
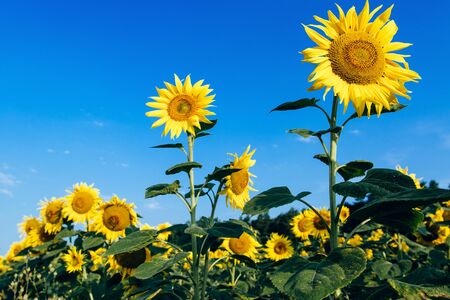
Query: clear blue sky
[[75, 77]]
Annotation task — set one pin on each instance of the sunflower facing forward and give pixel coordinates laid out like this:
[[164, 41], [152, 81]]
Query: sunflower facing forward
[[51, 213], [114, 217], [244, 245], [82, 203], [279, 247], [356, 59], [238, 184], [301, 226], [28, 224], [74, 260], [181, 107], [318, 228]]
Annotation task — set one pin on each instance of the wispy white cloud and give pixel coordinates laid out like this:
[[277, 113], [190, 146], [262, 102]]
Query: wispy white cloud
[[6, 192], [124, 165], [307, 140], [153, 205], [51, 151], [33, 170], [97, 123], [355, 132], [66, 152], [7, 181]]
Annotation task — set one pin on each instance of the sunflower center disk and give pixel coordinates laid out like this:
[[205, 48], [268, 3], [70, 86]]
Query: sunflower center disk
[[280, 248], [239, 246], [82, 203], [239, 181], [44, 236], [318, 224], [181, 108], [357, 58], [131, 260], [53, 215], [116, 218]]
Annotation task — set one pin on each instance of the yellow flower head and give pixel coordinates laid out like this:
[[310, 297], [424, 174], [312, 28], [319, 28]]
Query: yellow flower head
[[39, 236], [443, 234], [301, 226], [82, 203], [126, 263], [355, 58], [279, 247], [28, 224], [164, 236], [376, 235], [303, 253], [355, 240], [438, 215], [114, 217], [238, 184], [14, 250], [318, 228], [345, 213], [412, 175], [369, 253], [4, 266], [51, 213], [244, 245], [97, 258], [74, 260], [181, 107]]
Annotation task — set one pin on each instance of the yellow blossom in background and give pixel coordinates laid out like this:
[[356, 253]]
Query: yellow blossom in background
[[443, 234], [147, 227], [51, 214], [438, 215], [278, 247], [82, 203], [4, 266], [244, 245], [97, 258], [189, 258], [411, 175], [164, 236], [318, 228], [394, 244], [376, 235], [345, 213], [14, 250], [369, 254], [238, 184], [39, 236], [301, 226], [355, 240], [28, 224], [74, 260], [114, 217], [355, 58], [181, 107], [303, 253]]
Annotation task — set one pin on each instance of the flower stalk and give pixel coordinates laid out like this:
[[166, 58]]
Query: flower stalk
[[334, 137]]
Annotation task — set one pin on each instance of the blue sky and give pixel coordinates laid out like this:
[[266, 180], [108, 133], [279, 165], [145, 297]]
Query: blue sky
[[75, 77]]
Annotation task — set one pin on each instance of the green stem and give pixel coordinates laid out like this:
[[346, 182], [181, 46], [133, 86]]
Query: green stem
[[332, 175], [195, 273]]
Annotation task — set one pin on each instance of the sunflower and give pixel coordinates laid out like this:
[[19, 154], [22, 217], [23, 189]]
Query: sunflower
[[238, 184], [301, 226], [114, 217], [411, 175], [279, 247], [319, 229], [29, 223], [356, 59], [181, 106], [51, 213], [443, 233], [345, 213], [82, 203], [39, 236], [14, 250], [3, 266], [126, 263], [74, 260], [369, 253], [244, 245], [303, 253], [164, 236], [376, 235], [355, 240], [97, 258]]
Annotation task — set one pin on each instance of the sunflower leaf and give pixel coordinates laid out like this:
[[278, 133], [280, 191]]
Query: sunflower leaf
[[183, 167], [177, 145], [92, 242], [205, 126], [133, 242], [299, 104], [220, 173], [354, 169], [157, 265], [226, 229], [162, 189]]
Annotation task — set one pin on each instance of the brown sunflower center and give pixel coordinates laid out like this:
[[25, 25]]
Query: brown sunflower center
[[131, 260], [239, 181], [45, 236], [31, 224], [302, 226], [280, 248], [82, 202], [357, 58], [319, 224], [116, 218], [181, 108], [239, 246], [53, 213]]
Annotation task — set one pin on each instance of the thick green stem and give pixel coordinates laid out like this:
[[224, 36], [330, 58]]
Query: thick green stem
[[332, 175], [195, 264]]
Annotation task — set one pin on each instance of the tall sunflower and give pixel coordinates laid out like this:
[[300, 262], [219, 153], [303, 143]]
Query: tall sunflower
[[318, 228], [244, 245], [82, 203], [74, 260], [238, 184], [301, 226], [51, 213], [181, 107], [279, 247], [28, 224], [355, 58], [114, 217]]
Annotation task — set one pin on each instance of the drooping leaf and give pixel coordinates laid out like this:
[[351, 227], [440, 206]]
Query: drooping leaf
[[385, 269], [196, 230], [157, 265], [162, 189], [323, 158], [299, 104], [92, 242], [132, 242], [176, 146], [306, 133], [403, 221], [354, 169], [220, 173], [301, 279], [226, 229], [413, 291], [183, 167]]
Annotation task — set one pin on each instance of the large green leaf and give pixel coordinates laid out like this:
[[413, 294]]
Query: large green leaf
[[226, 229], [271, 198], [162, 189], [92, 242], [385, 269], [354, 169], [414, 291], [301, 279], [299, 104], [220, 173], [65, 233], [157, 265], [133, 242], [403, 221], [183, 167]]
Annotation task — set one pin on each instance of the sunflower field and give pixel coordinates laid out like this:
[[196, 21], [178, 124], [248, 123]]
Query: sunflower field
[[384, 235]]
